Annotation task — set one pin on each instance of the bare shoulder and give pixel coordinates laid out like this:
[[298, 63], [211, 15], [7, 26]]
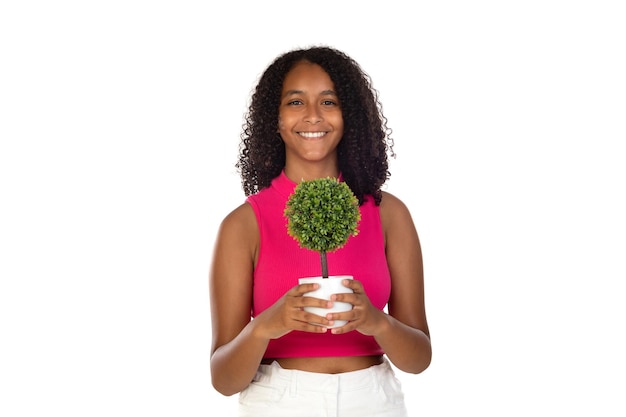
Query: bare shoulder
[[240, 219], [397, 223], [390, 200], [239, 232], [393, 210]]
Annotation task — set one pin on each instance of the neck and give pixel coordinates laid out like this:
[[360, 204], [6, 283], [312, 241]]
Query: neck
[[307, 173]]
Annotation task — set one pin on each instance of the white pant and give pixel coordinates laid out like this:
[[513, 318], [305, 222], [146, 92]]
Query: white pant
[[278, 392]]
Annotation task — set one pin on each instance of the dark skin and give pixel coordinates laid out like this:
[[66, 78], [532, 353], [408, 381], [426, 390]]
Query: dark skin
[[311, 125]]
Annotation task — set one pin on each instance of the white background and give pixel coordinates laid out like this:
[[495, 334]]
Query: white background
[[119, 127]]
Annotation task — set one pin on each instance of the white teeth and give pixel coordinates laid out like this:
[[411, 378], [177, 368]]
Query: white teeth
[[312, 134]]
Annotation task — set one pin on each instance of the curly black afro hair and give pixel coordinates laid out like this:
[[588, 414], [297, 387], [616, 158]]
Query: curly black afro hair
[[362, 151]]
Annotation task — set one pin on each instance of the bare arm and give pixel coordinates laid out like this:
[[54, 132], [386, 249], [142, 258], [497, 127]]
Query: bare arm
[[236, 351], [406, 339], [238, 343], [403, 333]]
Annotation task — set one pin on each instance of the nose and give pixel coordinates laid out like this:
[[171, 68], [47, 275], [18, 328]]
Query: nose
[[313, 115]]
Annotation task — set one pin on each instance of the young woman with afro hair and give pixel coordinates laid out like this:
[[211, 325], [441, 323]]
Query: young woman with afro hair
[[315, 114]]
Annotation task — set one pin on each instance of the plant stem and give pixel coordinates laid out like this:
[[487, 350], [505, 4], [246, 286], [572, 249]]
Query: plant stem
[[324, 264]]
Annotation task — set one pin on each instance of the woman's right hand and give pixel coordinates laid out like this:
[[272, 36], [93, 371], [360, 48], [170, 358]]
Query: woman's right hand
[[288, 314]]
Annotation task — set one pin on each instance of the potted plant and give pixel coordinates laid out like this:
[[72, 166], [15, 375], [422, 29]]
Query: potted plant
[[321, 215]]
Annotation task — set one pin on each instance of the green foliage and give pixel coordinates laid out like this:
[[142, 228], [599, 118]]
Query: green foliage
[[322, 214]]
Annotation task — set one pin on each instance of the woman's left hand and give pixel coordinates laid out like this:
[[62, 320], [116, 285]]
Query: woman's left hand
[[363, 317]]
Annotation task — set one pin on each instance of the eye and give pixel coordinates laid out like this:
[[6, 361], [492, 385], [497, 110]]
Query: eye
[[294, 102], [329, 103]]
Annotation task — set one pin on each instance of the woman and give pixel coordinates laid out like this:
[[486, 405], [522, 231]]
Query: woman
[[315, 114]]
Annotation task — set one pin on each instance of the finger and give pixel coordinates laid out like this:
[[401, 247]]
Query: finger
[[314, 302], [312, 328], [302, 289], [311, 319], [345, 298], [348, 327], [348, 316], [353, 284]]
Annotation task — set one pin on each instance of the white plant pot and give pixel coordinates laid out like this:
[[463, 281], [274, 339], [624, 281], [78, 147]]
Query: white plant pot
[[328, 286]]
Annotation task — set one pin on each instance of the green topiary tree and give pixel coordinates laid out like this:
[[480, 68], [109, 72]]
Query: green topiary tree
[[321, 215]]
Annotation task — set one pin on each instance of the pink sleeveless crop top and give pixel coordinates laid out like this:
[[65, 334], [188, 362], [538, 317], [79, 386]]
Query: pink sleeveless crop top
[[282, 261]]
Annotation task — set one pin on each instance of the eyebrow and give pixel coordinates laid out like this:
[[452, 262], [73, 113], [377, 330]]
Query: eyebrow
[[323, 93]]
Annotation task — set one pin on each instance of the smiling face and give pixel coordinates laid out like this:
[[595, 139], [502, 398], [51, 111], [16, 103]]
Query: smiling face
[[310, 122]]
